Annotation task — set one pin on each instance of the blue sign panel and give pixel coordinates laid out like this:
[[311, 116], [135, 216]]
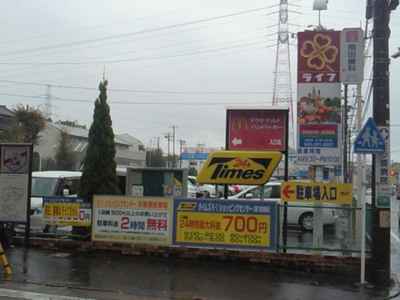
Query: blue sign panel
[[369, 139]]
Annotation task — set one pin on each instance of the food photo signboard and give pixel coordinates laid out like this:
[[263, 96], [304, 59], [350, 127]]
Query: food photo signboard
[[319, 124]]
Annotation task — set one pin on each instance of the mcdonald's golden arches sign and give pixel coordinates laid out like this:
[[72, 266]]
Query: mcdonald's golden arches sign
[[256, 129]]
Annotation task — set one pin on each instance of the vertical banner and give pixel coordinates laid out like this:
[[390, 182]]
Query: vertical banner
[[382, 171], [319, 99], [352, 56]]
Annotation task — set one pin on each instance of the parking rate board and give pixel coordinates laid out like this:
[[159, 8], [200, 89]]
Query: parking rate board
[[249, 225], [335, 193]]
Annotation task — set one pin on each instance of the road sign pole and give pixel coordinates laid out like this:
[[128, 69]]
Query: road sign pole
[[363, 221], [380, 251], [318, 214]]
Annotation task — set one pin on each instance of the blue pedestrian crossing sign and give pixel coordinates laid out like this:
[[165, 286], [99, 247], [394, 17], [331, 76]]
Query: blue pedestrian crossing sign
[[369, 140]]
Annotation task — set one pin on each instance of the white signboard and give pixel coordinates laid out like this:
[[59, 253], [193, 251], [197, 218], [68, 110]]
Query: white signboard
[[132, 219], [352, 56], [14, 181], [13, 197]]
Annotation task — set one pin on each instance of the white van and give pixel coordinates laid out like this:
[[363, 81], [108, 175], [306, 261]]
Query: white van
[[57, 183], [50, 184]]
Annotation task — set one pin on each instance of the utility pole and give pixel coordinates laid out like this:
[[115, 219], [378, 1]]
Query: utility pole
[[380, 250], [150, 153], [173, 145], [158, 141], [168, 137], [181, 144]]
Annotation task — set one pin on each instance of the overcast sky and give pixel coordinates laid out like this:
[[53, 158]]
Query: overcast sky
[[168, 62]]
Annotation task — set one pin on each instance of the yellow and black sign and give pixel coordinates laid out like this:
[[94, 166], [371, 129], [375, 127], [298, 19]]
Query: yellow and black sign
[[239, 167], [338, 193]]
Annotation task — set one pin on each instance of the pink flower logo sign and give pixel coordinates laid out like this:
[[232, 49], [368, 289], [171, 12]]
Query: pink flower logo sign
[[14, 159]]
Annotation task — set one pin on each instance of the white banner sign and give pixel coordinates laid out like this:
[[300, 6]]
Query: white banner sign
[[352, 56]]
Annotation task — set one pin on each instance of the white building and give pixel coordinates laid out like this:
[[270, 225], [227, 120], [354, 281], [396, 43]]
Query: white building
[[129, 151]]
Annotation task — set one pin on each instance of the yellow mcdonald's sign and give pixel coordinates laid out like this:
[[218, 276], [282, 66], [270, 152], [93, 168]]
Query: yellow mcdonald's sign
[[239, 122]]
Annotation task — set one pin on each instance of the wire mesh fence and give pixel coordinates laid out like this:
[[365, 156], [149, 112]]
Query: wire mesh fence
[[341, 233]]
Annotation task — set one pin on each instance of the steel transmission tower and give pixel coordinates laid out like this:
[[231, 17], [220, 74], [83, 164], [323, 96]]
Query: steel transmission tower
[[47, 104], [282, 81]]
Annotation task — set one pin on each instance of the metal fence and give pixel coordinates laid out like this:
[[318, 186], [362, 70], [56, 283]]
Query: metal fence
[[340, 237]]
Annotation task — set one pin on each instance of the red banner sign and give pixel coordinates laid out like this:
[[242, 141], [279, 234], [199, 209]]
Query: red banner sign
[[256, 129], [318, 57]]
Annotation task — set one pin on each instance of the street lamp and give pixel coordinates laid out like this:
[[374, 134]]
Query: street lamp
[[397, 54]]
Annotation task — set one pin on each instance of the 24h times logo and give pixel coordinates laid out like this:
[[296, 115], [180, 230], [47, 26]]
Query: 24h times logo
[[238, 168]]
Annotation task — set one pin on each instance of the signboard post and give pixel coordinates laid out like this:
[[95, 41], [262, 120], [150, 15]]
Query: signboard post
[[319, 107], [259, 128]]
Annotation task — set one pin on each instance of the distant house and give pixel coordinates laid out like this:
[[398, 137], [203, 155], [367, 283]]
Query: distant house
[[129, 151], [7, 117], [135, 154]]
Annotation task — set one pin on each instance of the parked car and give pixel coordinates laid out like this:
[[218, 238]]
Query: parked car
[[194, 191], [303, 215], [208, 190]]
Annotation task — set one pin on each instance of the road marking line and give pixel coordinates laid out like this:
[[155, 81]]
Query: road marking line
[[395, 236], [36, 296]]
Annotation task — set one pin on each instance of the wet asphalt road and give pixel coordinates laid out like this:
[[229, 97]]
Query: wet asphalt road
[[113, 276], [42, 275]]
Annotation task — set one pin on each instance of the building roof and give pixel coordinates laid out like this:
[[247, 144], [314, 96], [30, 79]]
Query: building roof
[[83, 133], [128, 138], [6, 112], [194, 156]]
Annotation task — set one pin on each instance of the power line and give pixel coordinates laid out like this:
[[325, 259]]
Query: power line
[[132, 91], [117, 36], [134, 59], [140, 103], [103, 26]]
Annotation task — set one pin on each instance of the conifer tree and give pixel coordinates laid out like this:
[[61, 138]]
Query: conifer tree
[[99, 171]]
